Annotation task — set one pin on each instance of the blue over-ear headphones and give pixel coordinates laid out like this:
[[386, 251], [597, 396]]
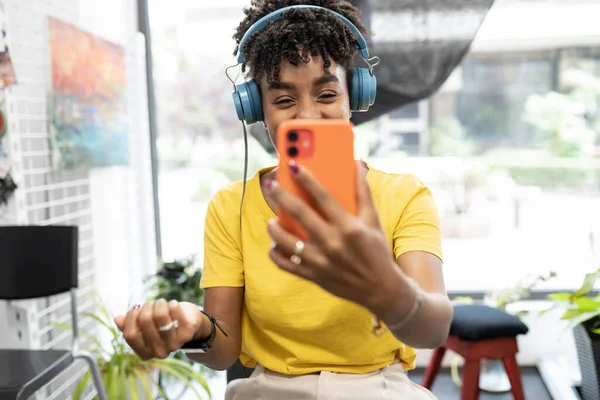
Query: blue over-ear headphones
[[247, 98]]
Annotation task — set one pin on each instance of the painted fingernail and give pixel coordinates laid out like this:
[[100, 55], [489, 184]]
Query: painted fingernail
[[270, 184], [136, 307], [294, 167]]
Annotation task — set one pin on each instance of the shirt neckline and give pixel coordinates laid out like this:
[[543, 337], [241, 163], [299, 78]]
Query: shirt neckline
[[262, 207]]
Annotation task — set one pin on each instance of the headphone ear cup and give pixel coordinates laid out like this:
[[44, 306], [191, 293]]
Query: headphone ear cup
[[364, 89], [248, 102]]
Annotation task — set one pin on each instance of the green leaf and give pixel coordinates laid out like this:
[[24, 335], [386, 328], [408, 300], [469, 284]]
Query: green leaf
[[187, 369], [199, 378], [105, 379], [571, 313], [103, 310], [549, 309], [63, 326], [113, 385], [81, 385], [561, 296], [112, 328], [92, 339], [173, 372], [133, 389], [587, 304], [588, 284], [581, 318], [122, 384], [180, 365], [161, 391], [143, 379]]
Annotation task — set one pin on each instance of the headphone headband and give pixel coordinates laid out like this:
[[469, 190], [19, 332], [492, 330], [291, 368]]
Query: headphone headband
[[276, 15]]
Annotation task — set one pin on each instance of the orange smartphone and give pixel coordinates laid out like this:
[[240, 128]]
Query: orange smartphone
[[326, 148]]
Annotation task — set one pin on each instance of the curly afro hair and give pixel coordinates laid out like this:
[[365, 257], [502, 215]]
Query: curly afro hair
[[297, 35]]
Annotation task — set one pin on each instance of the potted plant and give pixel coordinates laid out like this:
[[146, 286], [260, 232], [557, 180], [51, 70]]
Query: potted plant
[[178, 280], [582, 312], [125, 375]]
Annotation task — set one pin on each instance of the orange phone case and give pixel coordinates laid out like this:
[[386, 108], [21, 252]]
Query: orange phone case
[[326, 149]]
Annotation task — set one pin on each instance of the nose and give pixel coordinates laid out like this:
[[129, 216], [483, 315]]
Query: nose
[[308, 110]]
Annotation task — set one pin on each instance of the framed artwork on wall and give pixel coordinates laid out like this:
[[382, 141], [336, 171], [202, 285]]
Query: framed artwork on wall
[[87, 100], [8, 77]]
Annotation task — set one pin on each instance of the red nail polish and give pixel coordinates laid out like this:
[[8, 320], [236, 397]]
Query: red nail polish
[[269, 184], [294, 167]]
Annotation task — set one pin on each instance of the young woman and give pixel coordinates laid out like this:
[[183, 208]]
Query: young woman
[[343, 316]]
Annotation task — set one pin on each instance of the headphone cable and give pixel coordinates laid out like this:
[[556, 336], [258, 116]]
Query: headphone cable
[[245, 175], [245, 147]]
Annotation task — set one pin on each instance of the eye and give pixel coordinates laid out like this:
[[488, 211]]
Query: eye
[[284, 101], [328, 96]]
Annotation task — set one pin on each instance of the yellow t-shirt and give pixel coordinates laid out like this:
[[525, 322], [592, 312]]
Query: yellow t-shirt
[[290, 325]]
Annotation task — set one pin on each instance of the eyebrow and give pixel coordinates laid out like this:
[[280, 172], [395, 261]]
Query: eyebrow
[[281, 86], [323, 80]]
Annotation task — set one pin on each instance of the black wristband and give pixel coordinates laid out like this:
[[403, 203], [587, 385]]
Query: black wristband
[[205, 344]]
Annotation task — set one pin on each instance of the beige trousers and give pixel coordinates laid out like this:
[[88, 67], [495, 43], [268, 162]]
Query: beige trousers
[[390, 383]]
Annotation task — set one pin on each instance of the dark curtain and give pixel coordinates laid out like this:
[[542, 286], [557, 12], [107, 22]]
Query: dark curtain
[[419, 42]]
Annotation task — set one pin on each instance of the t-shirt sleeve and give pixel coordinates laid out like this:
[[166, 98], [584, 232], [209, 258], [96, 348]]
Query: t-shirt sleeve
[[223, 264], [418, 228]]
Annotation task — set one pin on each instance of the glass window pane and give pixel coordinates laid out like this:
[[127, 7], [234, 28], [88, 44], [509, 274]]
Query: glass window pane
[[511, 149]]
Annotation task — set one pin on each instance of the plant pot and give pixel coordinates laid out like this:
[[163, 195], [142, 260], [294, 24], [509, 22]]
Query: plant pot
[[493, 377], [588, 354]]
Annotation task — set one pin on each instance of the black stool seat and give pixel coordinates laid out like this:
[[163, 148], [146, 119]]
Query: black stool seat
[[478, 322], [19, 367]]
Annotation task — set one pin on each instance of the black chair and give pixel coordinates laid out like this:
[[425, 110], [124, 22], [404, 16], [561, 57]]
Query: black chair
[[36, 262], [238, 371]]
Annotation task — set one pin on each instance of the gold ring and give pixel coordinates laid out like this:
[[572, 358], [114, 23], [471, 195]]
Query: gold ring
[[296, 259], [298, 250]]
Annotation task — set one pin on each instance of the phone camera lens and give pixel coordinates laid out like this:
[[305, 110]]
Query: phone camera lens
[[292, 151], [293, 136]]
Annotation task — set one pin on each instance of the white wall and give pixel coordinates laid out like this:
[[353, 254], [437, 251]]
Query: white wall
[[122, 196]]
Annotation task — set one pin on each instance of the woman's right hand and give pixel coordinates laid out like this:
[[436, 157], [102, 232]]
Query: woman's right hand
[[140, 327]]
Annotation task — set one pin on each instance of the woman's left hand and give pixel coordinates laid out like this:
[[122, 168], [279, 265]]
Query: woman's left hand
[[347, 255]]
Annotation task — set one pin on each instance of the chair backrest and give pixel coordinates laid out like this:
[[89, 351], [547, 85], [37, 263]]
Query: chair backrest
[[37, 261]]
